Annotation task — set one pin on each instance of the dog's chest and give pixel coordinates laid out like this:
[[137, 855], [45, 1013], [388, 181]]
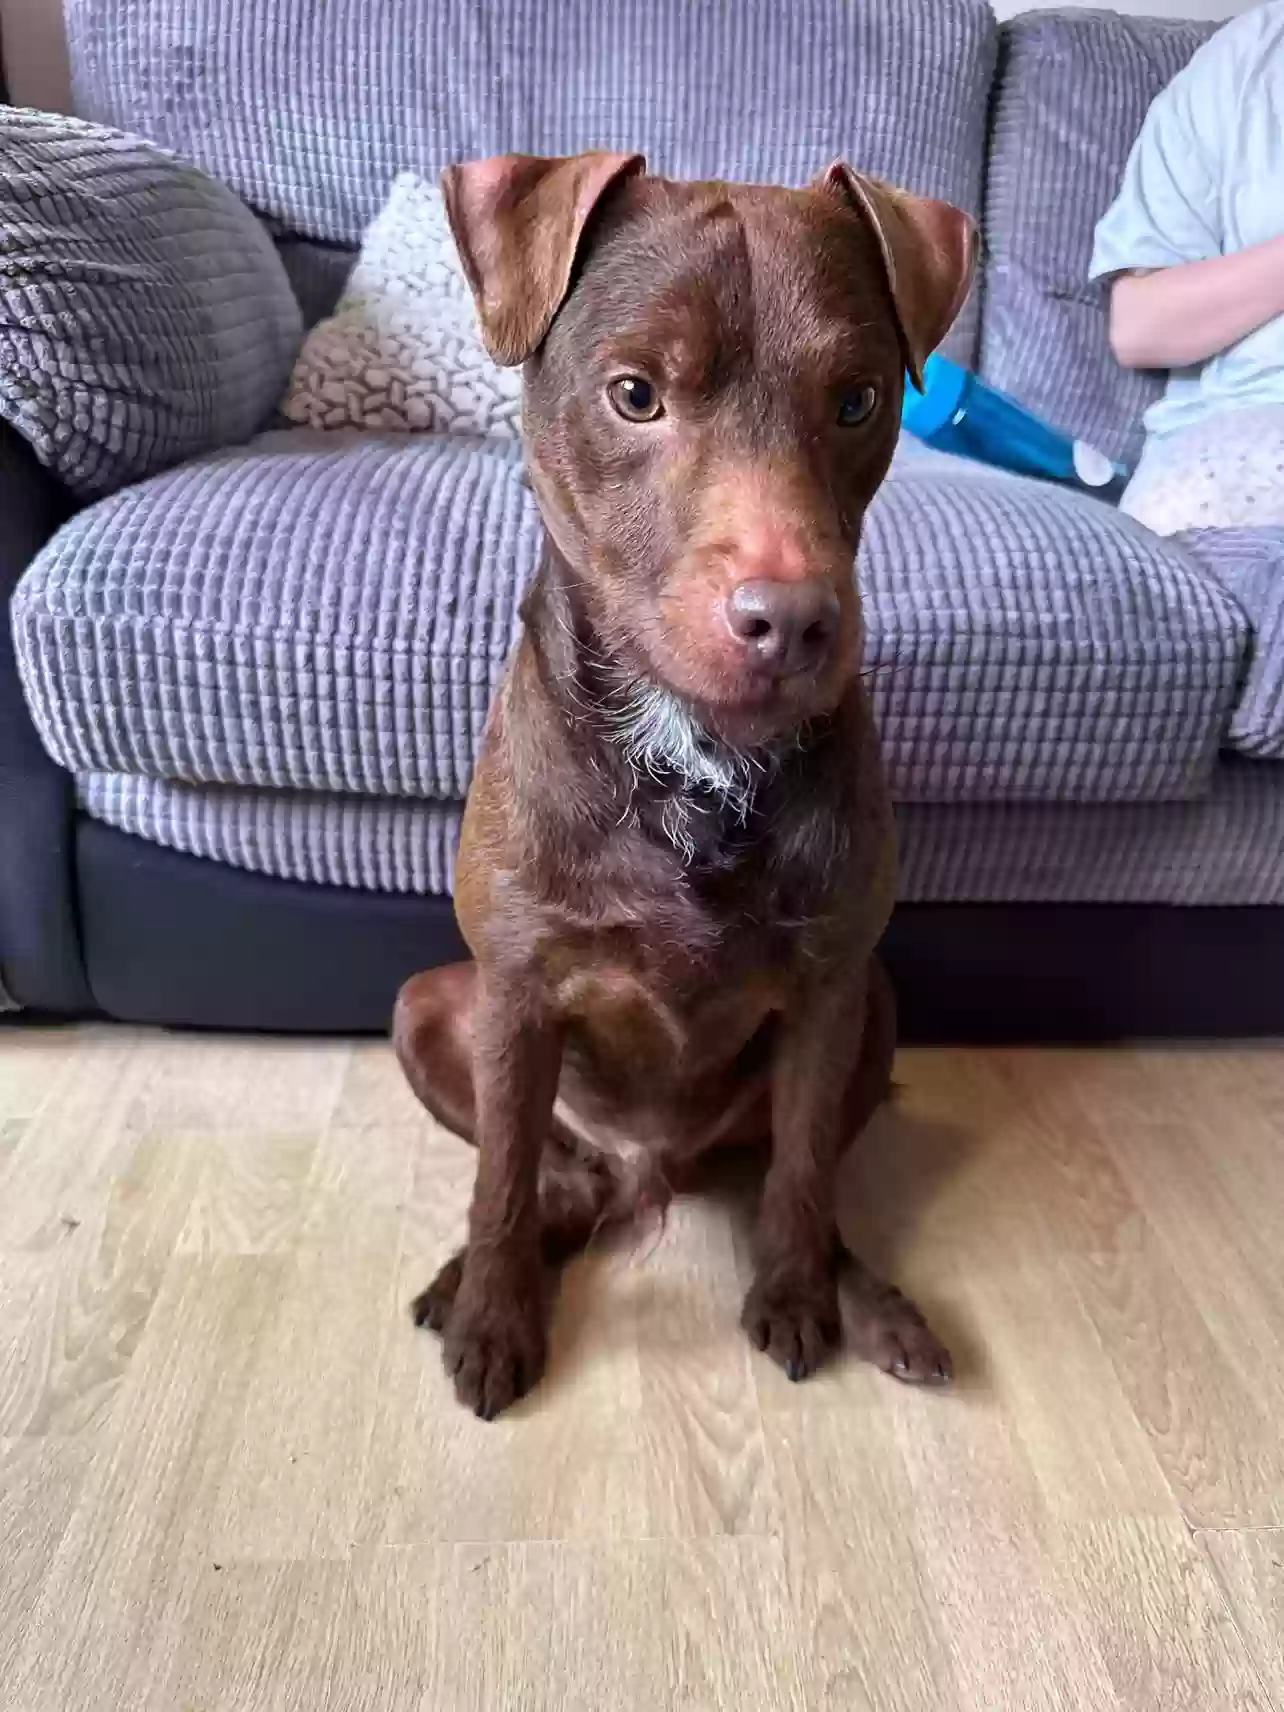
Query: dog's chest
[[667, 991], [666, 1026]]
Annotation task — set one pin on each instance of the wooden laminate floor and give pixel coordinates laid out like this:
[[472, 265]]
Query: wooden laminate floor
[[232, 1476]]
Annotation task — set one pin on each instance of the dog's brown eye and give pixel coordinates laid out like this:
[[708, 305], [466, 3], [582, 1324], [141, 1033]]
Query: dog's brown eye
[[856, 405], [635, 399]]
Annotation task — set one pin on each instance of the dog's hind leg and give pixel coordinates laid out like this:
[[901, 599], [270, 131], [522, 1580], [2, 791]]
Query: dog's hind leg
[[432, 1037], [885, 1328]]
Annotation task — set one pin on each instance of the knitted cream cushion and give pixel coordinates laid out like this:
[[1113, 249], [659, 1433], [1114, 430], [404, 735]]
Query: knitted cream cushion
[[402, 350]]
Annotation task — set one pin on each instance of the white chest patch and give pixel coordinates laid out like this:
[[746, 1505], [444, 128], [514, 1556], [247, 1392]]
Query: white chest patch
[[660, 737]]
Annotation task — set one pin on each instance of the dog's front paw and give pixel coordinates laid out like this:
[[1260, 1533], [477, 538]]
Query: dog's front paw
[[495, 1340], [794, 1319]]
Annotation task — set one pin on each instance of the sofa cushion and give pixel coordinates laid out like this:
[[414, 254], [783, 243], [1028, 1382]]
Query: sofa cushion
[[1227, 848], [1072, 91], [1027, 643], [327, 838], [1249, 565], [331, 612], [310, 111], [318, 273], [144, 314], [403, 349], [322, 610]]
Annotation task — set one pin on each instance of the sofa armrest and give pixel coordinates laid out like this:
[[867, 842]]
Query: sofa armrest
[[1249, 565], [40, 961]]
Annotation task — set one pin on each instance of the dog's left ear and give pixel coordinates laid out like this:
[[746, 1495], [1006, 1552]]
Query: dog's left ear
[[929, 250], [517, 222]]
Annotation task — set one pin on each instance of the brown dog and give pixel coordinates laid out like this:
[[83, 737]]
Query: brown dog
[[677, 856]]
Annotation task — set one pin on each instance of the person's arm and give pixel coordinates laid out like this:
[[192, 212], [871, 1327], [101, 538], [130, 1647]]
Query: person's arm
[[1171, 317], [1175, 298]]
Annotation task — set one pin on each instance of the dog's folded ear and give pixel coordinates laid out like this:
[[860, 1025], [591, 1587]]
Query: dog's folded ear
[[517, 222], [929, 250]]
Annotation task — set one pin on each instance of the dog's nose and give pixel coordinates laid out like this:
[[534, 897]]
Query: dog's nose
[[786, 626]]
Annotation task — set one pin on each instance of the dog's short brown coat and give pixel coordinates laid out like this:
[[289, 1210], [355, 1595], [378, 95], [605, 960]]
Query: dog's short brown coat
[[662, 965]]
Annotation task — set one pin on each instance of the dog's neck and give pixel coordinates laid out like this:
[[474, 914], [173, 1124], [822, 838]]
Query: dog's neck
[[695, 788], [660, 736]]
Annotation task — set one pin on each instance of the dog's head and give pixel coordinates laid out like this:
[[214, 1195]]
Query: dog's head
[[712, 395]]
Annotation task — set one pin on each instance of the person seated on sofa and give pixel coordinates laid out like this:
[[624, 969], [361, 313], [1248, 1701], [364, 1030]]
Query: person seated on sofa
[[1194, 247]]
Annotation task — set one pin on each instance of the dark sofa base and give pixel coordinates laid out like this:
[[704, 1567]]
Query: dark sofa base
[[174, 939]]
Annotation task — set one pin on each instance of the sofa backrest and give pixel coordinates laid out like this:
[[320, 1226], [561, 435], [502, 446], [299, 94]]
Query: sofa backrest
[[1072, 90], [308, 110]]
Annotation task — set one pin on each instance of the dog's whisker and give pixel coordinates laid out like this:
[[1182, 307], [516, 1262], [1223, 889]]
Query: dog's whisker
[[883, 666]]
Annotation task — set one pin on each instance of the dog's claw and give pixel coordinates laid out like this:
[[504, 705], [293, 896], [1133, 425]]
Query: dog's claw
[[920, 1359], [425, 1312], [795, 1326], [431, 1307]]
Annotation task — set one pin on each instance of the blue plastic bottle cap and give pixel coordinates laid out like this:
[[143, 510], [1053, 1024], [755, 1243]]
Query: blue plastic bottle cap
[[944, 386]]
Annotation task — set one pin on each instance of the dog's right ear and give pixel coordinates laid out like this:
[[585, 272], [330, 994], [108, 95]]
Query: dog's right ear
[[929, 250], [518, 221]]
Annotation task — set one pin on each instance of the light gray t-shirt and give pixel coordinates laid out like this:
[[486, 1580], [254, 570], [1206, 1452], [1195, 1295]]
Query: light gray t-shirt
[[1206, 178]]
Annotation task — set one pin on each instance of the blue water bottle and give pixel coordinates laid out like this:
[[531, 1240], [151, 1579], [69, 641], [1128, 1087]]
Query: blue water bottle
[[956, 412]]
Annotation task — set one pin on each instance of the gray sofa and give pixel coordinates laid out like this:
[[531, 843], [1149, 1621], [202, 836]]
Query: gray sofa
[[258, 678]]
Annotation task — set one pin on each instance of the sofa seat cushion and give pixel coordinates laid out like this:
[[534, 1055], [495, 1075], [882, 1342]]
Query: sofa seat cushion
[[327, 838], [320, 611], [330, 612], [1225, 849], [1028, 644], [1249, 564]]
